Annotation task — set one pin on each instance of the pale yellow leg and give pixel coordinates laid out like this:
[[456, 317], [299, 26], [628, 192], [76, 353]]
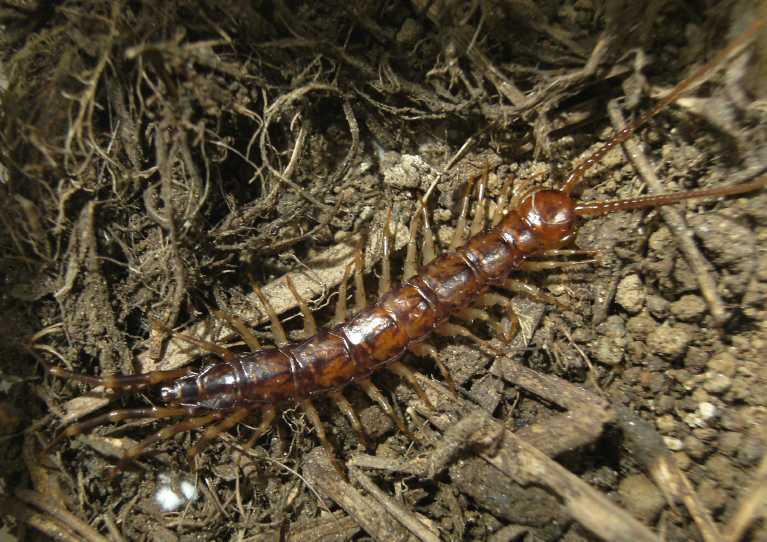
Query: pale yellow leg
[[376, 396], [500, 207], [278, 332], [267, 419], [411, 258], [208, 346], [212, 432], [533, 292], [310, 324], [314, 418], [360, 297], [241, 329], [404, 372], [164, 434], [342, 310], [426, 350], [534, 265], [348, 410], [491, 299], [384, 284], [478, 222], [429, 248], [459, 234]]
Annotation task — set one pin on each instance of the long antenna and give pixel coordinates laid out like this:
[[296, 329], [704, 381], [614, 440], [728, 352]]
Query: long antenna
[[576, 175], [597, 208]]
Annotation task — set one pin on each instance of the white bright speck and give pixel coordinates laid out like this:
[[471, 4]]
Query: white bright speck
[[707, 411], [189, 490], [169, 499]]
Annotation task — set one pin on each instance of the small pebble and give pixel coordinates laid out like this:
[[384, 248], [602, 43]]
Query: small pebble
[[712, 497], [641, 497], [707, 411], [683, 460], [752, 449], [408, 171], [717, 383], [667, 341], [695, 448], [630, 293], [611, 344], [642, 324], [729, 442], [688, 308], [724, 363], [673, 444], [731, 420], [666, 424], [657, 305], [665, 404], [722, 470]]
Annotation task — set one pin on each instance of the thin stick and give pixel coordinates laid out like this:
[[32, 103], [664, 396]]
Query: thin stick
[[408, 519], [675, 222], [624, 133]]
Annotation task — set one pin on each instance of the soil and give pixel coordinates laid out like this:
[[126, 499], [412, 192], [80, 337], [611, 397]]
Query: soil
[[158, 159]]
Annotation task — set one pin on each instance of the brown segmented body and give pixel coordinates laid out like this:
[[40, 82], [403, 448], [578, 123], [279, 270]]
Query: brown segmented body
[[378, 335], [381, 333]]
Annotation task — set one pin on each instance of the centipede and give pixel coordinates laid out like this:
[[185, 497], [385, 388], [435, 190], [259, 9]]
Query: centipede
[[484, 254]]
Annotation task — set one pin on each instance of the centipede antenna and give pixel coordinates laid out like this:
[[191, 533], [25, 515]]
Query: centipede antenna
[[598, 208], [576, 175]]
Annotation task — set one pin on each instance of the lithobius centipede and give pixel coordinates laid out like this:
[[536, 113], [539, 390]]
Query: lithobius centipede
[[538, 224]]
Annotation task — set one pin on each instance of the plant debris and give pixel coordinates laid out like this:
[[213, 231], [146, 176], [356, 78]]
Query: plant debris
[[155, 155]]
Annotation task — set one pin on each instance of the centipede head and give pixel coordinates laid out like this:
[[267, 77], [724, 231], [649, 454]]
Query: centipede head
[[551, 217]]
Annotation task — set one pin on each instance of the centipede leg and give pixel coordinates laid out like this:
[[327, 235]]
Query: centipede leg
[[212, 432], [533, 292], [536, 265], [478, 222], [278, 332], [471, 314], [118, 383], [202, 344], [429, 247], [426, 350], [500, 207], [449, 329], [314, 418], [407, 374], [459, 234], [384, 283], [377, 397], [491, 299], [240, 327], [411, 257], [163, 434], [117, 416], [342, 309], [267, 419], [348, 410], [360, 297], [310, 324]]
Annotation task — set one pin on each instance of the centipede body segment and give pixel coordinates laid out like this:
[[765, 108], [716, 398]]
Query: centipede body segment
[[460, 283]]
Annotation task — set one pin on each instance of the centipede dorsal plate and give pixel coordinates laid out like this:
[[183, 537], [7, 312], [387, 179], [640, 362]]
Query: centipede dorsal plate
[[419, 272]]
